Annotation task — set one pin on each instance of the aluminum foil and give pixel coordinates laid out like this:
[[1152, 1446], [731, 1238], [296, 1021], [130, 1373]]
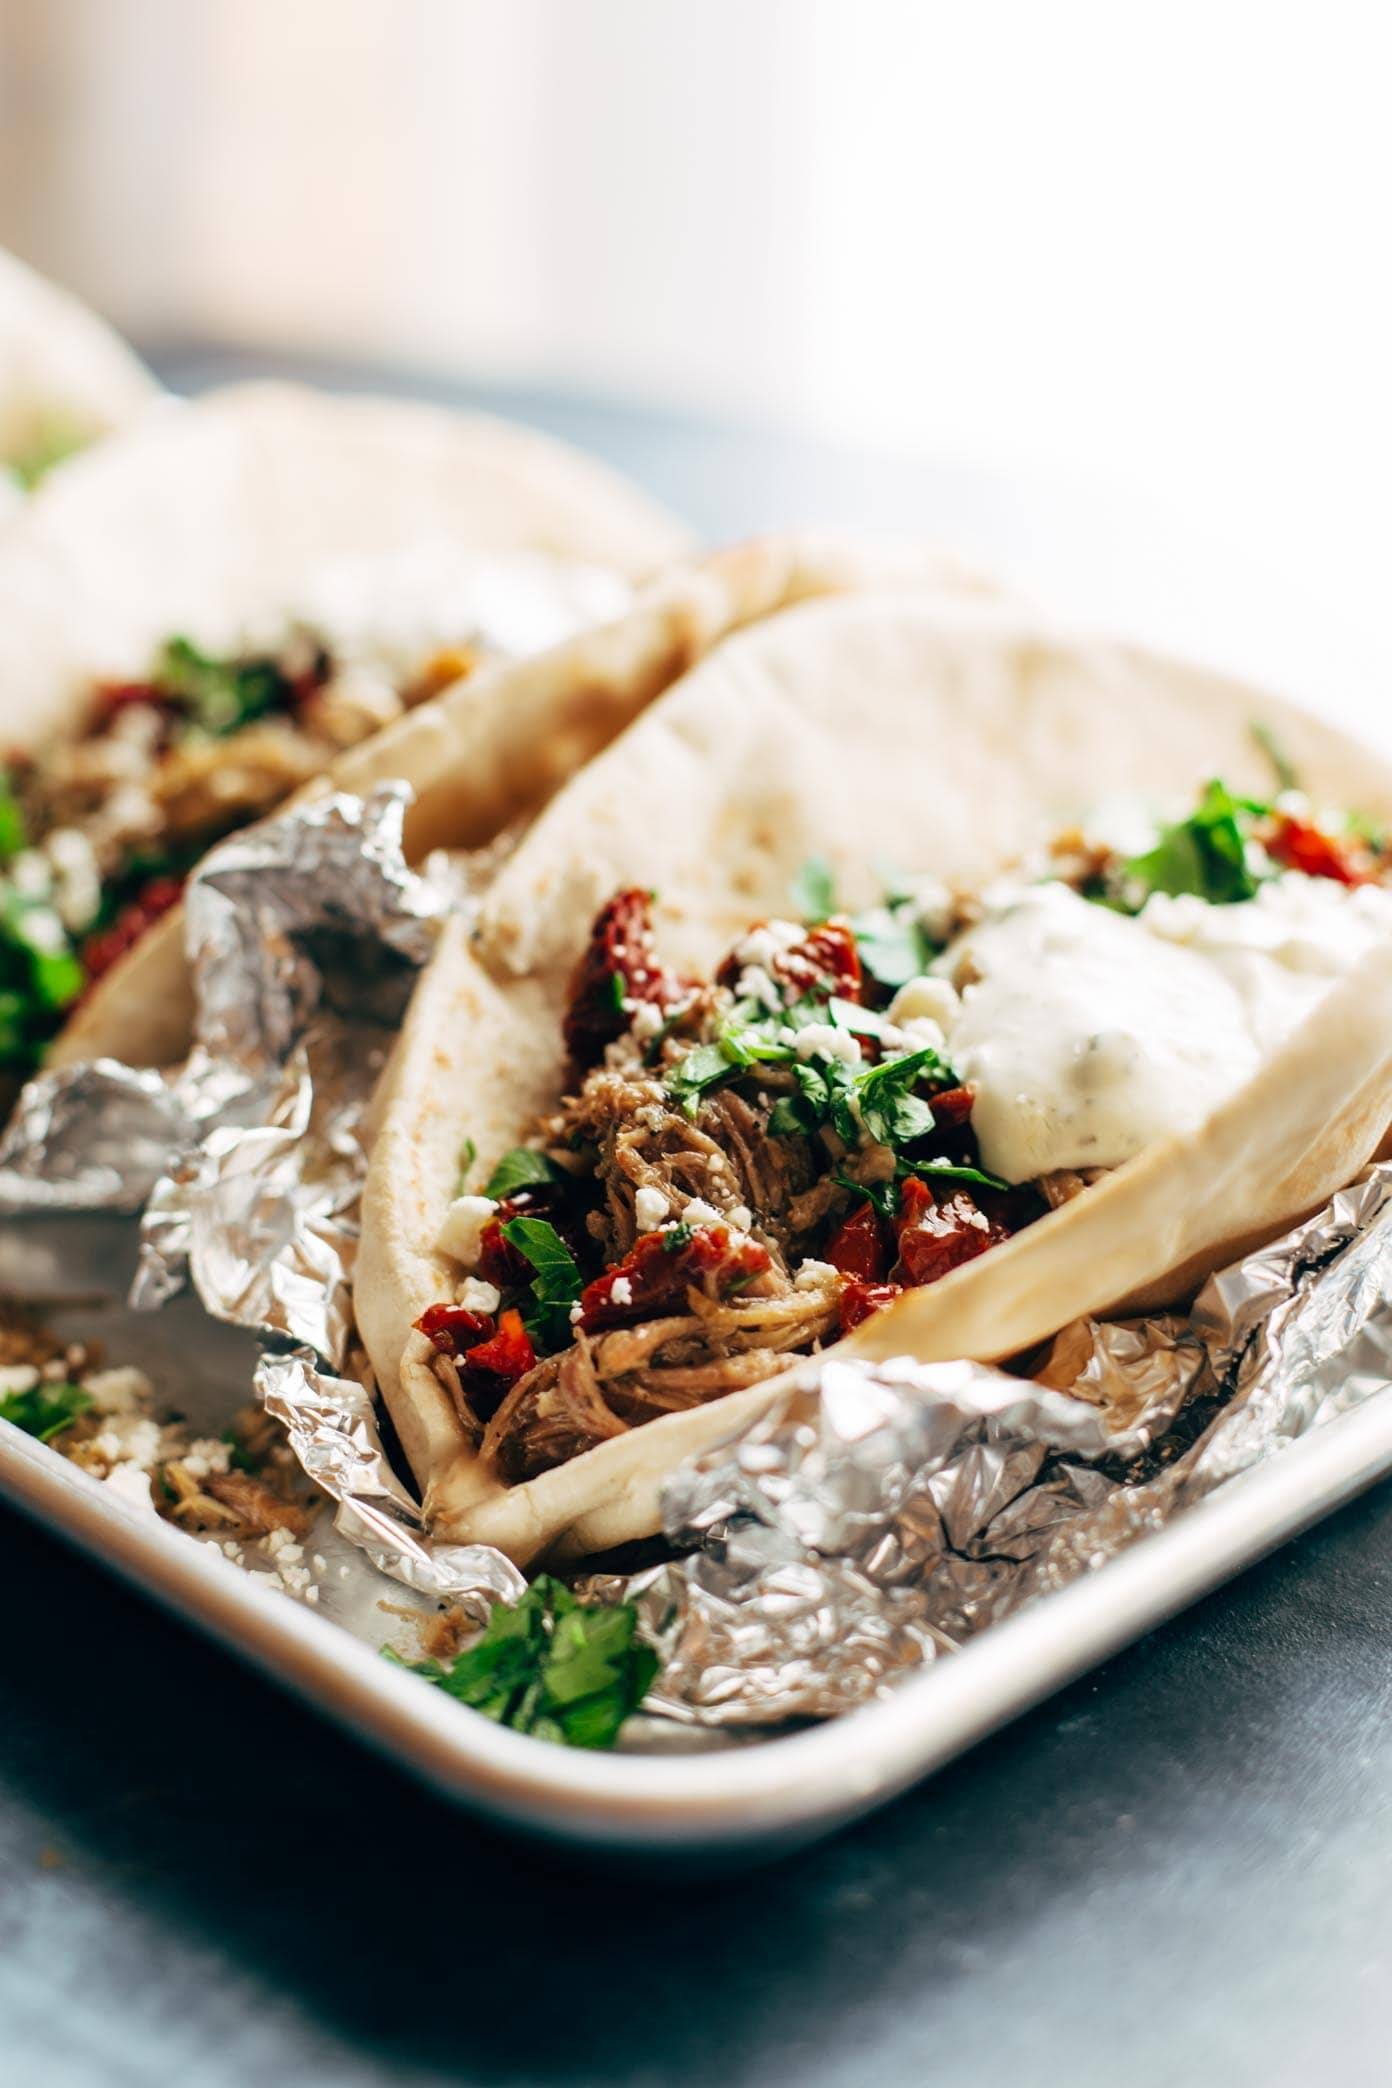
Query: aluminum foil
[[878, 1516], [883, 1512]]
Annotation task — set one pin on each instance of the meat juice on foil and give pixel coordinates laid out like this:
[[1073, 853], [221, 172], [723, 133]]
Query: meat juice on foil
[[876, 1516]]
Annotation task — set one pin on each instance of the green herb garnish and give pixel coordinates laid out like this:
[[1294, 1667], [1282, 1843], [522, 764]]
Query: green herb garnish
[[893, 944], [45, 1410], [1206, 854], [813, 890], [557, 1284], [891, 1114], [220, 696], [703, 1067], [522, 1168], [553, 1666], [468, 1153], [12, 835]]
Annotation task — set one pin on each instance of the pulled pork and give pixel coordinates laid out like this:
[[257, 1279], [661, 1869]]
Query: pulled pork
[[717, 1222]]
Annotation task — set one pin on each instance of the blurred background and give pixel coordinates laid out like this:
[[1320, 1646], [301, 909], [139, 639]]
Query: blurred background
[[1099, 289]]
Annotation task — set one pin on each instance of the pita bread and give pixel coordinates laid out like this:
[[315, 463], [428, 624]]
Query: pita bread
[[65, 376], [213, 518], [944, 737]]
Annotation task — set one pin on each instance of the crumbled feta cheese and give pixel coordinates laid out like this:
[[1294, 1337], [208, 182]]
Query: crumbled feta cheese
[[43, 931], [477, 1296], [311, 1593], [825, 1040], [205, 1456], [131, 1486], [699, 1212], [742, 1217], [931, 905], [621, 1291], [30, 875], [650, 1207], [925, 999], [77, 879], [17, 1377], [118, 1391], [645, 1020], [765, 944], [319, 1563], [813, 1274], [577, 1313], [756, 984], [651, 1116], [461, 1231]]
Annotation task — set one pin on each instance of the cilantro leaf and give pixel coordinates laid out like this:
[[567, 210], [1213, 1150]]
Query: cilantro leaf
[[552, 1666], [522, 1168], [703, 1067], [890, 1112], [893, 945], [45, 1410], [12, 835], [1205, 854], [557, 1283], [813, 890]]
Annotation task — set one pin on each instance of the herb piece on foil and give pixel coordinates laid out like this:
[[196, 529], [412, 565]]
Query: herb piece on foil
[[45, 1410], [553, 1666]]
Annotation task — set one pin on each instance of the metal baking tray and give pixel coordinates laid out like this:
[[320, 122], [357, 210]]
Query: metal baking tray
[[726, 1803]]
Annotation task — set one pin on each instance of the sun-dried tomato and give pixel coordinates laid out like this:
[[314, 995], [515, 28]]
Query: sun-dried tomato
[[825, 961], [1297, 844], [952, 1108], [453, 1329], [620, 964], [857, 1246], [858, 1300], [654, 1276], [101, 951], [492, 1354], [111, 698], [937, 1237], [508, 1352]]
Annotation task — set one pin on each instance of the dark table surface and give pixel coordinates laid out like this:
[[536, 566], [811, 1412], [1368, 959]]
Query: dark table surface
[[1176, 1872]]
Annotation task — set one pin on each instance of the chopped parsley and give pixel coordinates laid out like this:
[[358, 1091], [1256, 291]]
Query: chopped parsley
[[522, 1168], [813, 890], [553, 1666], [893, 944], [45, 1410], [557, 1283]]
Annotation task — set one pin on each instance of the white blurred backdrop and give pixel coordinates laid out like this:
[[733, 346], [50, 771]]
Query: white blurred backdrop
[[1121, 243]]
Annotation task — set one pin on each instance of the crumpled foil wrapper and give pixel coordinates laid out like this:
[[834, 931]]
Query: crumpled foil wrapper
[[881, 1513], [867, 1524]]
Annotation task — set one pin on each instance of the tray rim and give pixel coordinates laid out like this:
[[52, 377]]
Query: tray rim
[[749, 1801]]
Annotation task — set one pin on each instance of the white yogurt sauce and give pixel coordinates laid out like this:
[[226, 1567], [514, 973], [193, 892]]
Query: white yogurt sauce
[[1087, 1035]]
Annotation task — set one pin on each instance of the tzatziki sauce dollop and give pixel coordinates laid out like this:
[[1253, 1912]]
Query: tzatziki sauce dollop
[[1088, 1034]]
